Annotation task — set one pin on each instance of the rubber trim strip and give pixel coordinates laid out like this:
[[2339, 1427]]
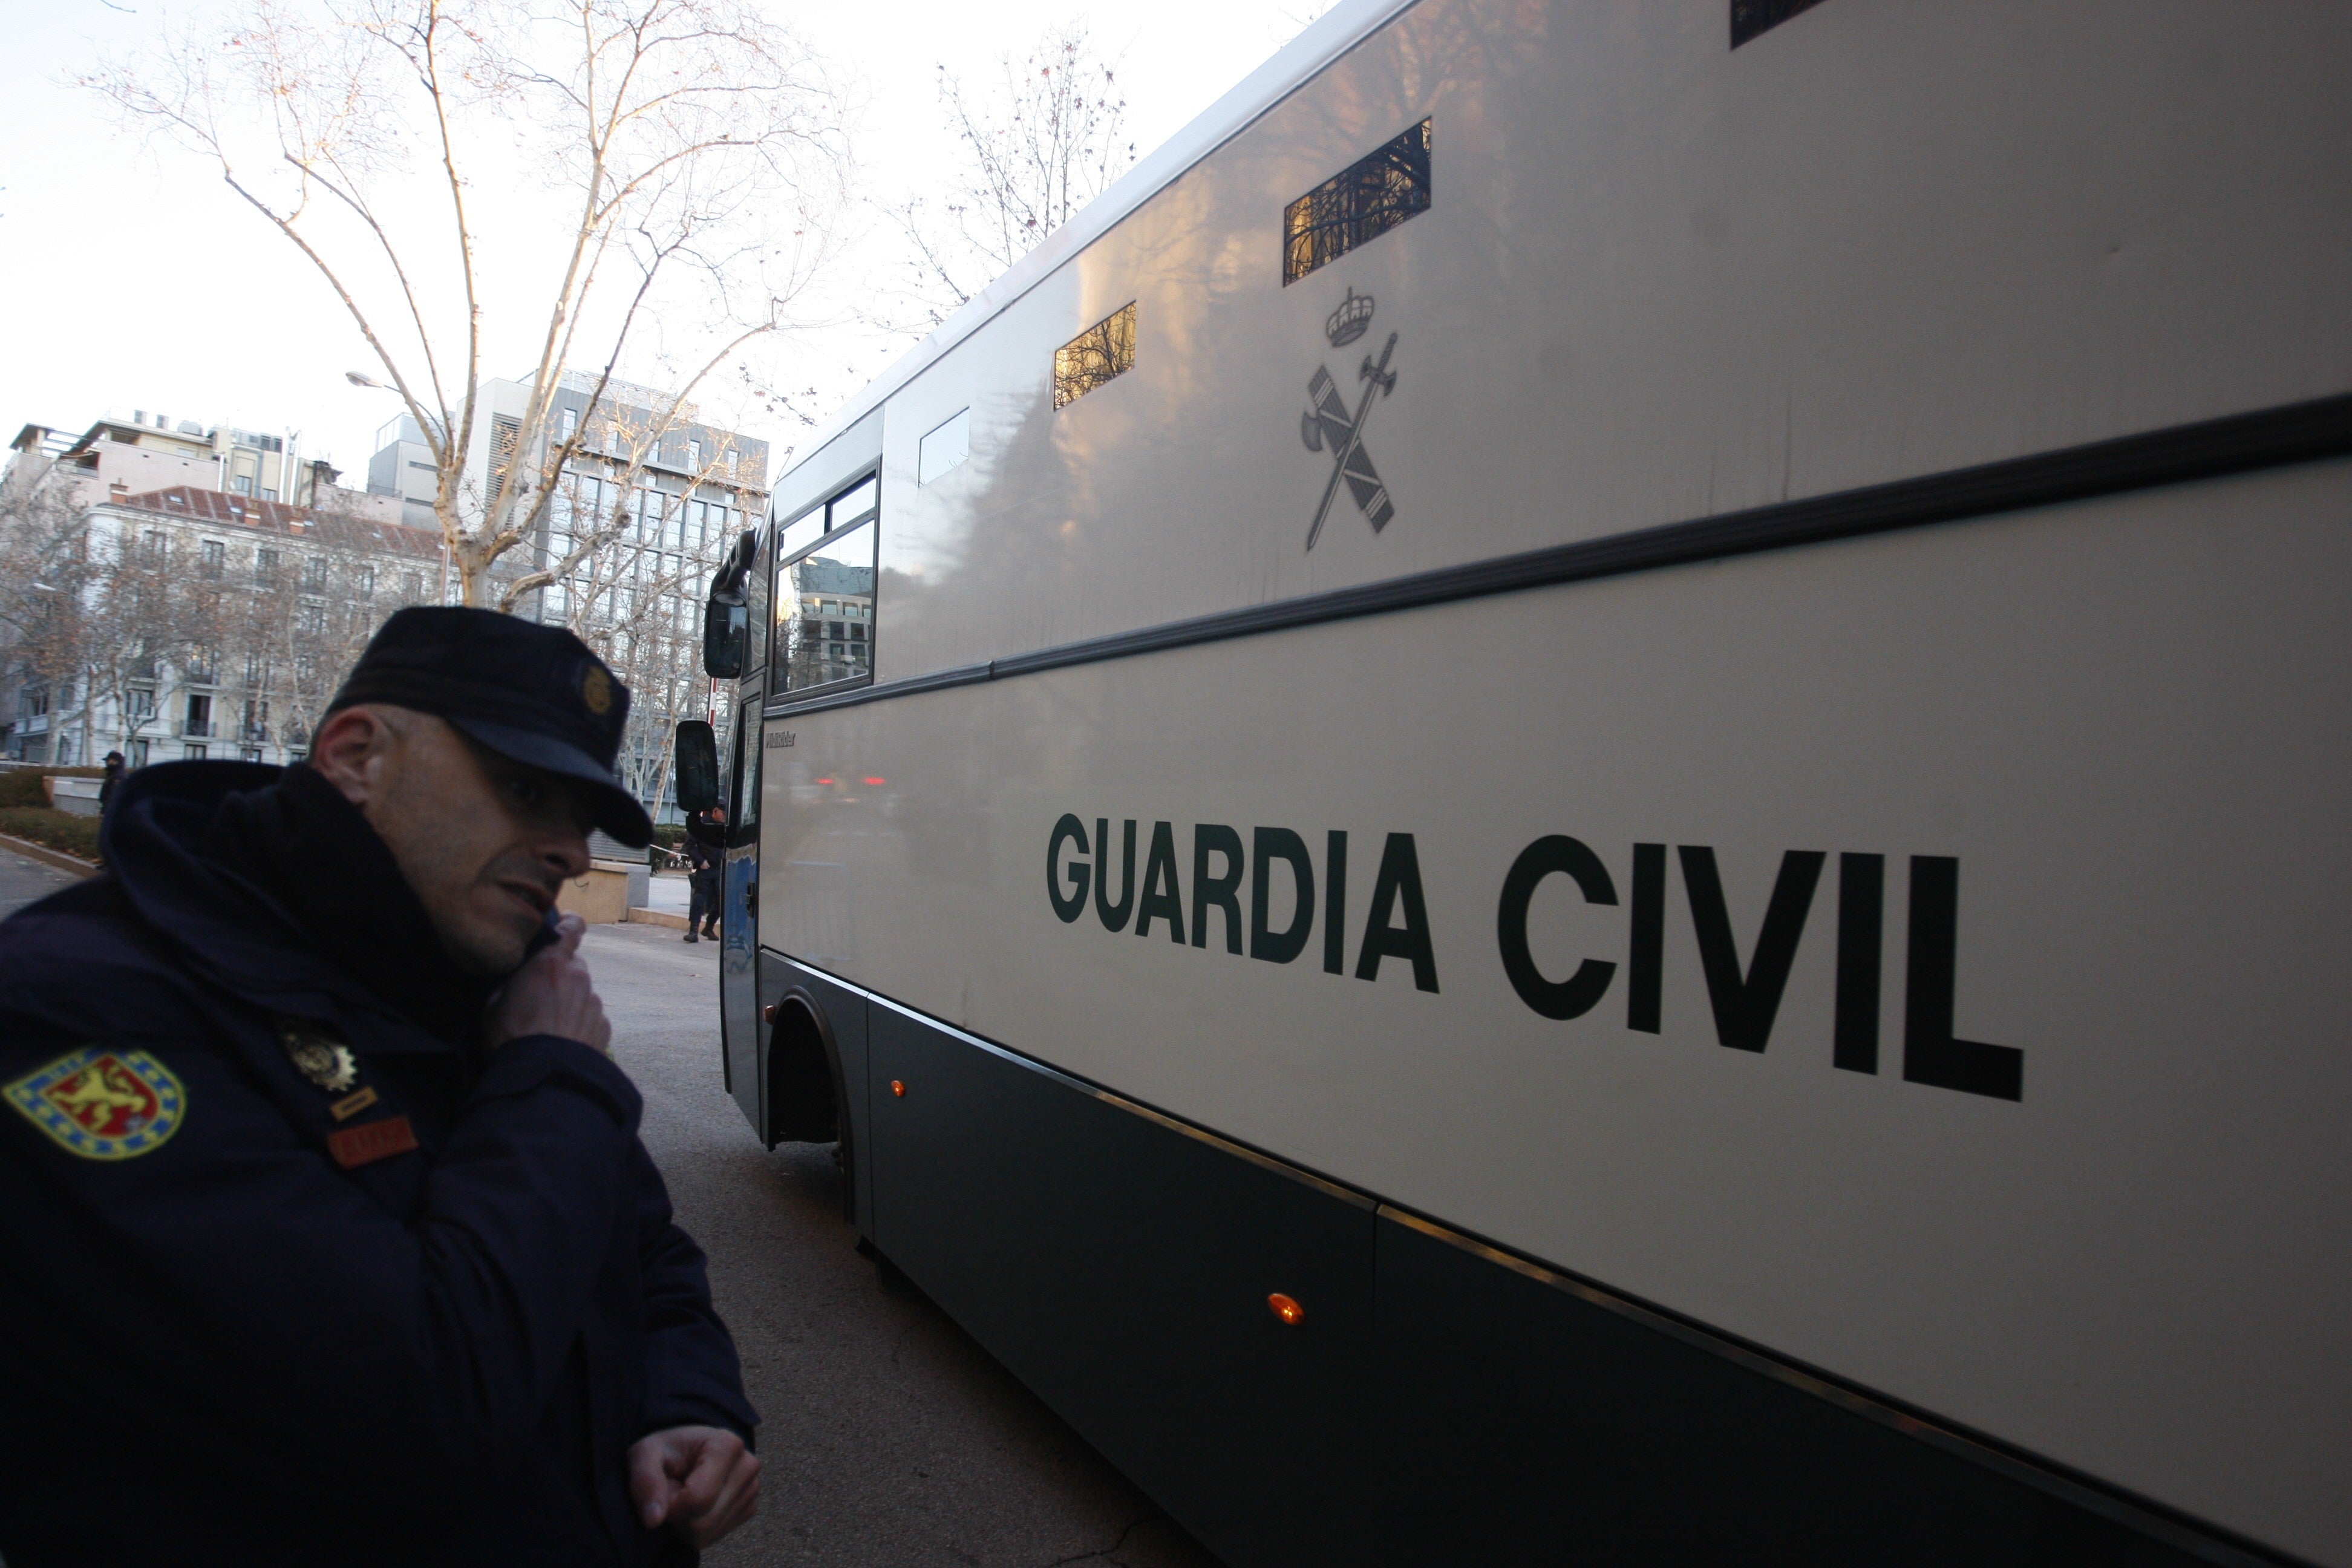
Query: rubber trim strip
[[2212, 448], [2208, 1542]]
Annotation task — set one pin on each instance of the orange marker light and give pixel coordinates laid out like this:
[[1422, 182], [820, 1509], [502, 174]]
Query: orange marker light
[[898, 1088], [874, 781], [825, 781], [1282, 1306]]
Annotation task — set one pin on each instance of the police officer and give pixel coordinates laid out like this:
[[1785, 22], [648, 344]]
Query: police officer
[[707, 863], [328, 1235]]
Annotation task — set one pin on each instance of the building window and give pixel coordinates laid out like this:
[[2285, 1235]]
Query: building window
[[313, 620], [138, 754], [265, 566], [214, 555], [193, 754], [694, 456], [154, 542], [198, 724], [571, 424], [314, 575], [1104, 350], [412, 588], [139, 702], [248, 754], [239, 486], [504, 434], [363, 582], [1362, 202]]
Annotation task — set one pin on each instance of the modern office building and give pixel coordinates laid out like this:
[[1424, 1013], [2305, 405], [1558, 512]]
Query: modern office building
[[624, 550]]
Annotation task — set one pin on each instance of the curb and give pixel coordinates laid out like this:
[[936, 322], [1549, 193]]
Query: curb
[[60, 860], [657, 918]]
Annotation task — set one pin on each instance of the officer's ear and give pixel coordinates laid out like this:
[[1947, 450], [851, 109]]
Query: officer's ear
[[350, 747]]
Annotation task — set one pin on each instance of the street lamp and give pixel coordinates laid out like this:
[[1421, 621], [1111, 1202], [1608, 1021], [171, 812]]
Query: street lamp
[[356, 379]]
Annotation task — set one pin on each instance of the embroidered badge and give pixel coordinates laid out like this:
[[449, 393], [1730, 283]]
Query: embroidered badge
[[318, 1054], [102, 1103], [597, 690]]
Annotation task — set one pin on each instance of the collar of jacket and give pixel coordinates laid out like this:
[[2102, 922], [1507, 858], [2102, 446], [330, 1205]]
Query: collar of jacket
[[275, 884]]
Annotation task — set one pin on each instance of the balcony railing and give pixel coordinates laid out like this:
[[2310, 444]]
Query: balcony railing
[[253, 735], [195, 728]]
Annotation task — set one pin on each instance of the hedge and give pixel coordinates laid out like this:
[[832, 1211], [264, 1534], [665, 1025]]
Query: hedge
[[56, 829], [22, 786]]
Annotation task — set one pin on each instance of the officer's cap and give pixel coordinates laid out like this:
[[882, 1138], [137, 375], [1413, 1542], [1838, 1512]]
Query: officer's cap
[[533, 694]]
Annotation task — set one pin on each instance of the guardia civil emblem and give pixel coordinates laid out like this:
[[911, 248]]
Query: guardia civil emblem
[[318, 1054], [102, 1103], [1329, 425]]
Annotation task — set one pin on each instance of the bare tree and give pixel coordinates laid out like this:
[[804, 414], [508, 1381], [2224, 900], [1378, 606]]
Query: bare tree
[[699, 147], [140, 619], [1037, 146], [46, 570], [634, 552]]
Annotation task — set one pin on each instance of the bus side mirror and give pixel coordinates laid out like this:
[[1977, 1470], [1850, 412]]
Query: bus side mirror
[[697, 767], [725, 629], [727, 615]]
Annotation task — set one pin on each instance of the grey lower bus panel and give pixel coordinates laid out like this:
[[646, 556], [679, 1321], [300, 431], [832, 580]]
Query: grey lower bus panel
[[1438, 1404], [1529, 1423], [1121, 1268]]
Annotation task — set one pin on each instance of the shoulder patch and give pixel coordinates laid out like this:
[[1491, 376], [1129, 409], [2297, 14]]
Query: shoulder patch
[[102, 1103]]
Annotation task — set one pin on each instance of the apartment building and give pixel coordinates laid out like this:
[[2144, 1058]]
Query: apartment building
[[191, 622], [142, 452]]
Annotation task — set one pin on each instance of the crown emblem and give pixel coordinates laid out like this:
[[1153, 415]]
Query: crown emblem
[[1350, 321]]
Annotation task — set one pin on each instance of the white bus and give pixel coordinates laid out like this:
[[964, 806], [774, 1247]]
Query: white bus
[[1581, 795]]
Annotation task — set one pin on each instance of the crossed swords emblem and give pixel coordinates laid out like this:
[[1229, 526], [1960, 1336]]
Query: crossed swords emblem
[[1328, 424]]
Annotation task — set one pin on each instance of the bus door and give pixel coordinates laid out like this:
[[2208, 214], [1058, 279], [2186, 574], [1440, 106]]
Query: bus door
[[739, 950]]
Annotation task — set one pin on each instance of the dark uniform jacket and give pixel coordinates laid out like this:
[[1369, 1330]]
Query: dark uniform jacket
[[290, 1270]]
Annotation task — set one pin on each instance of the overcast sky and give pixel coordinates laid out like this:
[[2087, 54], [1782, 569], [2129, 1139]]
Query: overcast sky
[[133, 278]]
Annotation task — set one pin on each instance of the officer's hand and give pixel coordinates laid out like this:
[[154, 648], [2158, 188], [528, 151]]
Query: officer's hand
[[552, 995], [701, 1481]]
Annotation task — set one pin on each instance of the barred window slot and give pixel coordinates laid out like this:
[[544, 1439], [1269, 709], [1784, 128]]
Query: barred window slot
[[1362, 202]]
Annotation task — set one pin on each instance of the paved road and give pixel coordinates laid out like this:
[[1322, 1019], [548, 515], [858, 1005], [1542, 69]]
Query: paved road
[[891, 1440], [23, 880]]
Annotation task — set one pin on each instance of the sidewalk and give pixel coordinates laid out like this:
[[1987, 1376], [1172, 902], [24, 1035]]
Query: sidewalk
[[666, 893]]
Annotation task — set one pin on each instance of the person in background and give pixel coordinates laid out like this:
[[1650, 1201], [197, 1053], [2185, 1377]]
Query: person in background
[[114, 775], [706, 861]]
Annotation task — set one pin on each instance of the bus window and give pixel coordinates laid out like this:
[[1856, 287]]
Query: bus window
[[812, 596], [800, 533], [853, 504], [825, 569], [743, 821]]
